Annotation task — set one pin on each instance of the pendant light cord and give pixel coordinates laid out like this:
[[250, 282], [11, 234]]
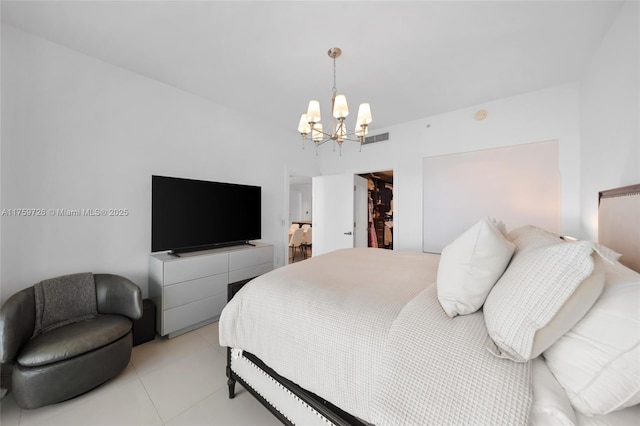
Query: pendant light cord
[[335, 91]]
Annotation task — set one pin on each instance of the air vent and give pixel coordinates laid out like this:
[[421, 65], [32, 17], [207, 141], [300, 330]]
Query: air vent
[[376, 138]]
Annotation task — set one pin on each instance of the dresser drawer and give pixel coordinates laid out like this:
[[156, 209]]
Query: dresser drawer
[[251, 257], [191, 268], [250, 272], [192, 313], [190, 291]]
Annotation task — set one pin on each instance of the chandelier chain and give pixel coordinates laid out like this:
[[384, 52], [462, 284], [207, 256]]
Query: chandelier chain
[[334, 77]]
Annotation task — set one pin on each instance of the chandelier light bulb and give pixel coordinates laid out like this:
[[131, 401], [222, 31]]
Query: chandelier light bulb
[[316, 132], [313, 112], [303, 127], [364, 114], [340, 107]]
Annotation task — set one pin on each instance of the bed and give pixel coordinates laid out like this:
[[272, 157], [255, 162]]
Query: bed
[[518, 327]]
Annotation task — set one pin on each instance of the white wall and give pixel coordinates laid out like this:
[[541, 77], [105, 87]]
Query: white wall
[[610, 116], [533, 117], [1, 203], [305, 193], [597, 122], [80, 133], [523, 182]]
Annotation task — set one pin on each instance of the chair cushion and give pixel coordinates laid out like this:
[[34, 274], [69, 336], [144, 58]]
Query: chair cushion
[[73, 339]]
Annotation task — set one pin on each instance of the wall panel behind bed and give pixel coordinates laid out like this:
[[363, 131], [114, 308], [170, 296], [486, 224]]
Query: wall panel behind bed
[[619, 223], [518, 184]]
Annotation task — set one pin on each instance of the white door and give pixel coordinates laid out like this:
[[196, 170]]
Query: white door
[[339, 212]]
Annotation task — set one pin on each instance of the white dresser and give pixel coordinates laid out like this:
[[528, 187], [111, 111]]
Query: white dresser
[[190, 291]]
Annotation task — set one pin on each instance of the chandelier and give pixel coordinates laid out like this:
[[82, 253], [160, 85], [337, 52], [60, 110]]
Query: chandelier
[[310, 124]]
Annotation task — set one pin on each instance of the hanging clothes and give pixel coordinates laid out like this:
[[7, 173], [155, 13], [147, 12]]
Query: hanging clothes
[[373, 239]]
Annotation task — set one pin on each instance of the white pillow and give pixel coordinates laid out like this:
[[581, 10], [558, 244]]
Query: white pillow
[[626, 417], [470, 266], [531, 292], [598, 360], [550, 405]]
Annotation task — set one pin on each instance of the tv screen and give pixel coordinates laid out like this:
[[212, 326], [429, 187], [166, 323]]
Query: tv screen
[[189, 214]]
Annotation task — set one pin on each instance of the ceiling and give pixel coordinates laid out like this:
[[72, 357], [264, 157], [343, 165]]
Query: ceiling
[[409, 60]]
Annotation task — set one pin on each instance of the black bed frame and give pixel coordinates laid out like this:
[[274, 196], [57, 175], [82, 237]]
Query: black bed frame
[[334, 414]]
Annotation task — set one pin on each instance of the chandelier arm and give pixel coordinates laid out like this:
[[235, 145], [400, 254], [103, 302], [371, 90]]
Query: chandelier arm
[[327, 137], [348, 136], [322, 132], [351, 136]]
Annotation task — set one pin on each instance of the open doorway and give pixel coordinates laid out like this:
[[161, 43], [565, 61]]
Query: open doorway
[[300, 216], [380, 191]]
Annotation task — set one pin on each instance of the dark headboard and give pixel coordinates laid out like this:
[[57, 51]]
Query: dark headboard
[[619, 223]]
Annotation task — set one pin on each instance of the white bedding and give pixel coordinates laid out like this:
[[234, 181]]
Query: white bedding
[[362, 328], [288, 319], [437, 371], [551, 406]]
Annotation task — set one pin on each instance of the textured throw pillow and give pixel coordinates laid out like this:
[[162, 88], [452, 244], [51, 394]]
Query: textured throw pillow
[[530, 237], [598, 361], [573, 310], [531, 292], [470, 266]]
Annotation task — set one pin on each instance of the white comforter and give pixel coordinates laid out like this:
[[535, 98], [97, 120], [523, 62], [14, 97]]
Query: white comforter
[[437, 371], [331, 324]]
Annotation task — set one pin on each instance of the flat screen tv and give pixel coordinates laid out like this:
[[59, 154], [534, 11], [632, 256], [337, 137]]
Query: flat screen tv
[[189, 215]]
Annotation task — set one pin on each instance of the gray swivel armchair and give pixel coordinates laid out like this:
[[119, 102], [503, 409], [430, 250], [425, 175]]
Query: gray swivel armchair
[[67, 335]]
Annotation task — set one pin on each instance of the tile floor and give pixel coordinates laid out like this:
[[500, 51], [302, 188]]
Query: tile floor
[[173, 382]]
